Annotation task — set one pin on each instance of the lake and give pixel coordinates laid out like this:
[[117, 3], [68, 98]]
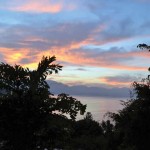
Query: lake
[[98, 106]]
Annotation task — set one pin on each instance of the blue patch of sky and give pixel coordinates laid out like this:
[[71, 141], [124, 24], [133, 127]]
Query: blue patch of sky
[[10, 18], [46, 19], [119, 10], [95, 72], [77, 16]]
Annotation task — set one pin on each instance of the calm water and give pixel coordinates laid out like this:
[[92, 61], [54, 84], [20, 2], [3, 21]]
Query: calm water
[[98, 106]]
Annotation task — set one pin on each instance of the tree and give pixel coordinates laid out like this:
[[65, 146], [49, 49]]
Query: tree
[[87, 134], [27, 106], [144, 46], [88, 116], [132, 123]]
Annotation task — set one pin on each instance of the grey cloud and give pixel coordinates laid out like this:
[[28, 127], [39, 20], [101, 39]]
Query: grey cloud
[[113, 54], [81, 69], [25, 61], [123, 78], [57, 34], [113, 57], [18, 36], [81, 90], [118, 31]]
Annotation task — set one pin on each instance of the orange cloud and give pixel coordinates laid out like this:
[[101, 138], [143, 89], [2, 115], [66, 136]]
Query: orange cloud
[[38, 6], [80, 58], [107, 81], [13, 55], [74, 54]]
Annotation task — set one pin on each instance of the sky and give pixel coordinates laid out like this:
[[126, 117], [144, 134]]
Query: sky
[[95, 40]]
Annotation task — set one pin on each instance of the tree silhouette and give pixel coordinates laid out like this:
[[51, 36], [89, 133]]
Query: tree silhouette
[[88, 116], [27, 106], [87, 134], [132, 123], [145, 47]]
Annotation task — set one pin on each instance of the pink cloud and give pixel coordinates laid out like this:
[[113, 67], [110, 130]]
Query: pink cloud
[[119, 81], [79, 57], [37, 6], [65, 54], [114, 83], [73, 53]]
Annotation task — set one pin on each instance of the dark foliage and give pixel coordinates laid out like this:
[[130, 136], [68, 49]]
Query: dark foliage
[[132, 130], [32, 118], [87, 134], [27, 108]]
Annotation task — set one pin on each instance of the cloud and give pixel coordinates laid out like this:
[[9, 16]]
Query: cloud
[[28, 41], [121, 80], [113, 58], [82, 90], [67, 41], [81, 69], [37, 6], [45, 32], [20, 56], [58, 35]]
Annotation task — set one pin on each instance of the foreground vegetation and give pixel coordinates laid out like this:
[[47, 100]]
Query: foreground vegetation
[[31, 118]]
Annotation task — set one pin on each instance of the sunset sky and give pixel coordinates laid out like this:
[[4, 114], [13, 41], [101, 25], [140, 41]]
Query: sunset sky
[[95, 40]]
